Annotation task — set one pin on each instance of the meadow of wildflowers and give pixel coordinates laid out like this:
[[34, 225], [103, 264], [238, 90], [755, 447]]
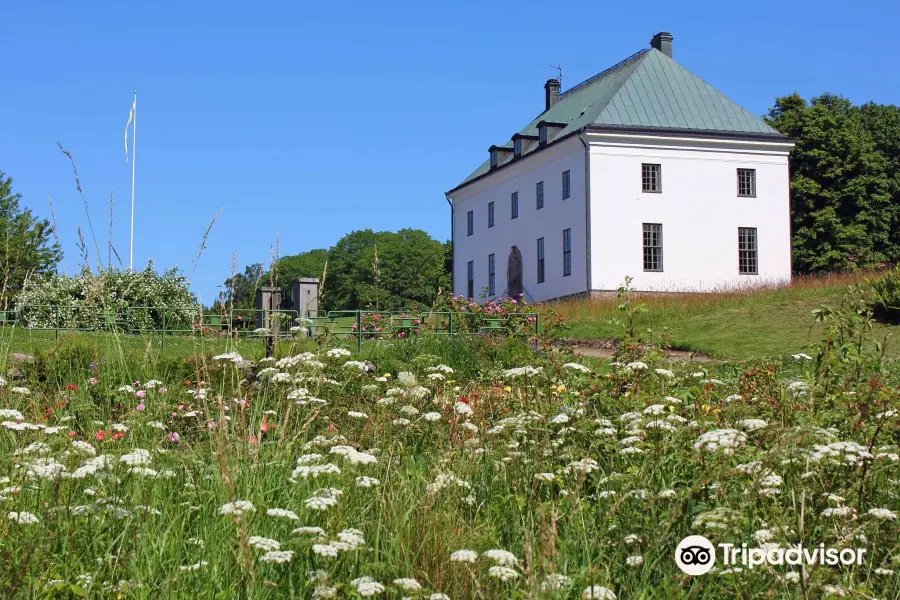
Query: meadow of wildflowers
[[449, 469]]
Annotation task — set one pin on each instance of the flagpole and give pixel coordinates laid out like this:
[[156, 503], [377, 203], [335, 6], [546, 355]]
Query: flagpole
[[133, 161]]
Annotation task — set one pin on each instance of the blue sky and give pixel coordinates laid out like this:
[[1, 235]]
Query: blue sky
[[307, 120]]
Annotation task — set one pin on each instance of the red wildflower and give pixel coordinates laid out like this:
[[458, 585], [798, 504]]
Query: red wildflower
[[100, 435], [72, 387]]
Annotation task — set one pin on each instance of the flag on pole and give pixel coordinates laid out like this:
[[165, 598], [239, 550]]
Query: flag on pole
[[128, 124]]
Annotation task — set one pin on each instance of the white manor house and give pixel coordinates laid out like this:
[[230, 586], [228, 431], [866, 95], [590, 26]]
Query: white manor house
[[643, 170]]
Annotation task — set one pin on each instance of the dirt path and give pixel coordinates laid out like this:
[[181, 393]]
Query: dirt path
[[607, 348]]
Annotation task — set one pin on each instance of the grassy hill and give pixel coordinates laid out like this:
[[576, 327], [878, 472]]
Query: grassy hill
[[731, 324]]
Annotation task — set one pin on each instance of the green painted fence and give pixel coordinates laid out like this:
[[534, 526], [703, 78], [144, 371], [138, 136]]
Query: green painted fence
[[192, 321]]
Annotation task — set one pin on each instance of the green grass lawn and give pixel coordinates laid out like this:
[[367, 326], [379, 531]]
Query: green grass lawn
[[763, 323], [18, 340]]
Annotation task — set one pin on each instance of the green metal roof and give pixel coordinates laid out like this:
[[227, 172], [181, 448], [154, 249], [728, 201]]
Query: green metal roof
[[646, 90]]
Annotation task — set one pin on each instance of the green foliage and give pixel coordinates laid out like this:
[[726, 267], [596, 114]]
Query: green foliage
[[239, 291], [290, 268], [410, 270], [846, 353], [845, 184], [86, 300], [886, 290], [25, 248]]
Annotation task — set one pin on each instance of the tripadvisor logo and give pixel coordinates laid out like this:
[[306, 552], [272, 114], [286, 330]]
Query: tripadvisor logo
[[696, 555]]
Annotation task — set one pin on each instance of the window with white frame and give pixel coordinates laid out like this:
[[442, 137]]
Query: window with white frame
[[492, 288], [651, 178], [470, 222], [490, 214], [517, 147], [746, 181], [565, 185], [514, 205], [540, 260], [567, 252], [495, 158], [539, 192], [653, 249], [542, 135], [748, 263], [470, 279]]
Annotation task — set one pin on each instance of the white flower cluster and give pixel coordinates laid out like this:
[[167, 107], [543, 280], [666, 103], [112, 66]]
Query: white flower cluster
[[282, 513], [323, 499], [724, 440], [237, 508], [367, 587], [354, 456], [751, 424], [229, 357], [837, 453], [527, 371], [263, 543], [445, 480]]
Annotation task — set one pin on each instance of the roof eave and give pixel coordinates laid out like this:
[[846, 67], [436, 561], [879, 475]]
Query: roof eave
[[514, 161], [701, 133]]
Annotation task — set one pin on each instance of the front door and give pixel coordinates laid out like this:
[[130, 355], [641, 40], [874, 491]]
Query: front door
[[514, 273]]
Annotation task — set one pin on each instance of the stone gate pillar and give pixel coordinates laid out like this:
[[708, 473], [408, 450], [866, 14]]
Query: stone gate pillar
[[268, 299], [305, 299]]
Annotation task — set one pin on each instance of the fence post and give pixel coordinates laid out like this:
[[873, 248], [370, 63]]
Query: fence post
[[358, 331], [537, 323], [56, 321], [162, 342], [451, 322]]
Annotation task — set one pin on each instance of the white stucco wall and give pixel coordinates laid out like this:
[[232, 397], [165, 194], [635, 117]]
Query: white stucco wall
[[546, 165], [699, 209]]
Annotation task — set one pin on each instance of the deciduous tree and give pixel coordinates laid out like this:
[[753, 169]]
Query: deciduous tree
[[25, 246]]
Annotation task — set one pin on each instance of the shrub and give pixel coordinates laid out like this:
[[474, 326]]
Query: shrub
[[140, 300], [517, 317], [886, 291]]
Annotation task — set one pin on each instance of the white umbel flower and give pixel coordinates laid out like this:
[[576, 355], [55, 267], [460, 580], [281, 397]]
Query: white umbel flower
[[465, 556], [502, 573], [238, 507], [408, 584], [724, 440], [22, 518], [751, 424], [282, 513], [882, 513], [277, 556], [263, 543], [367, 587], [598, 592], [501, 557]]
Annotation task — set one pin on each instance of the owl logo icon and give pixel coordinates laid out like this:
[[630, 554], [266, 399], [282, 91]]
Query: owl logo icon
[[695, 555]]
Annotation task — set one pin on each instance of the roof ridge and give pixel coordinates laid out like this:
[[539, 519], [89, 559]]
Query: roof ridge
[[603, 73]]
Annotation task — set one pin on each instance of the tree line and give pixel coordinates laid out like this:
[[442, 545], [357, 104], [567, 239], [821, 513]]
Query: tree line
[[845, 212], [384, 270]]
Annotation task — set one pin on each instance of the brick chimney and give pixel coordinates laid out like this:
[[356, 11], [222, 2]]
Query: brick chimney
[[662, 41], [551, 96]]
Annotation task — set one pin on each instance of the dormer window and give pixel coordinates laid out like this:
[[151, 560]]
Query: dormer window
[[500, 155], [517, 147], [547, 130]]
